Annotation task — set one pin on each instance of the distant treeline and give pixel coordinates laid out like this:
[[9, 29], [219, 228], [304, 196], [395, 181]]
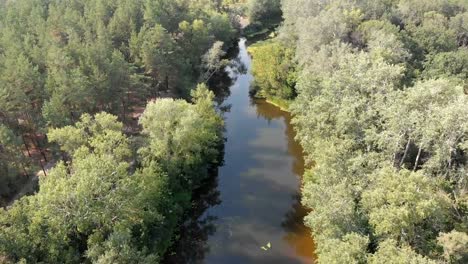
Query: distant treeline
[[379, 93]]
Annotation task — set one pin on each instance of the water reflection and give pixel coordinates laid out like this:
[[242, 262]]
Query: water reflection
[[221, 82], [194, 233], [298, 235], [271, 112], [255, 199]]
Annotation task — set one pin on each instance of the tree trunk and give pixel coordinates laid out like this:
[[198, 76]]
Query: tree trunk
[[26, 145], [43, 169], [417, 158], [123, 111], [211, 75], [406, 153], [36, 143], [396, 162], [34, 136]]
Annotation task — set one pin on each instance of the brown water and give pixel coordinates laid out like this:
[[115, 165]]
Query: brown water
[[255, 199]]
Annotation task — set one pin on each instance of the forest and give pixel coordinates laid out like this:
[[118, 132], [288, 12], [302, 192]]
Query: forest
[[379, 94], [61, 59], [107, 104], [101, 98]]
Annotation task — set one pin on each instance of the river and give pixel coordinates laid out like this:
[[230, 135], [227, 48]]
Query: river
[[255, 199]]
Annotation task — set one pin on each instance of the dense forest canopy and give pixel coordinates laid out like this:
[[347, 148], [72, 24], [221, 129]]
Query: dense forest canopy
[[61, 59], [117, 199], [379, 93], [75, 76], [108, 94]]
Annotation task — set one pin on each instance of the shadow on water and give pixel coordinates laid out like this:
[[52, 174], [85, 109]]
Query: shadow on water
[[192, 245], [293, 219], [254, 197], [271, 112], [221, 82]]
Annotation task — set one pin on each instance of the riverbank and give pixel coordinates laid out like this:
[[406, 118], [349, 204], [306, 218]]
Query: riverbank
[[255, 198], [265, 69], [281, 104]]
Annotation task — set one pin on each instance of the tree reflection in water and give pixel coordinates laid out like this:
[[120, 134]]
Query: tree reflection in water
[[200, 227], [194, 233], [298, 235], [191, 247]]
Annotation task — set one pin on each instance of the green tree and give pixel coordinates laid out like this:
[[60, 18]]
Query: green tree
[[274, 70], [167, 13], [390, 252], [160, 57], [434, 34], [447, 65], [264, 10], [92, 208], [351, 249], [213, 60], [459, 24], [14, 165], [169, 125], [397, 202], [455, 246], [102, 134], [22, 90]]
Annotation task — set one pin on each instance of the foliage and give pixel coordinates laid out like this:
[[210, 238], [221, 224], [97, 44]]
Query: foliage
[[99, 206], [212, 60], [263, 16], [455, 246], [381, 114], [263, 10], [62, 59], [169, 125], [389, 252], [397, 202], [273, 68], [351, 249], [82, 205], [13, 162], [448, 64]]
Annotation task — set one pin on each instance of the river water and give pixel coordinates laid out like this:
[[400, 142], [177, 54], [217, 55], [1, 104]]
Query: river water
[[255, 198]]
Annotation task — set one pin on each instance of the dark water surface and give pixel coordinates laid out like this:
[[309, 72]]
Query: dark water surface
[[255, 199]]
